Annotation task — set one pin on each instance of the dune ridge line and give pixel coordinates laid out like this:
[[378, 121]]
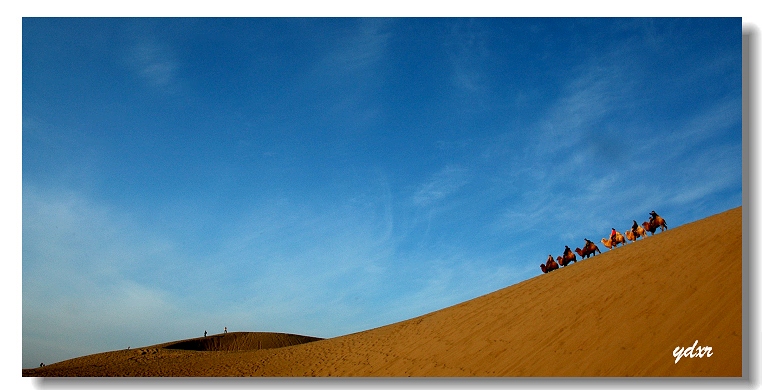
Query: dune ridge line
[[621, 313]]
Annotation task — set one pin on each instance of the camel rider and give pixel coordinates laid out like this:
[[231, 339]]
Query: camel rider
[[634, 226], [549, 261], [567, 250], [613, 234], [588, 243], [653, 216]]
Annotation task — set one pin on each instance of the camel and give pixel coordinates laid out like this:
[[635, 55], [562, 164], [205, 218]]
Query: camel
[[588, 250], [633, 234], [567, 259], [618, 239], [657, 222], [549, 266]]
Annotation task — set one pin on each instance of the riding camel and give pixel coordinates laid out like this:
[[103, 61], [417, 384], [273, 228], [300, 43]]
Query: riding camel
[[567, 259], [633, 234], [588, 250], [618, 239], [657, 222], [550, 265]]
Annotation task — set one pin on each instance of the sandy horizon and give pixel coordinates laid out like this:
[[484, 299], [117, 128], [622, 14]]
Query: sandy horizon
[[625, 312]]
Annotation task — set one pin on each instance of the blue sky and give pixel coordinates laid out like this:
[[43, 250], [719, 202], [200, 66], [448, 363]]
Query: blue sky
[[327, 176]]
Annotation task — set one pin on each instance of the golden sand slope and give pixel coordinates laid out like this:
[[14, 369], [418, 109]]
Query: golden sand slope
[[620, 313]]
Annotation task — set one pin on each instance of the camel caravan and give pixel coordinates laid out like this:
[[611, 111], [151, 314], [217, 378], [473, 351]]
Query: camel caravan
[[655, 221]]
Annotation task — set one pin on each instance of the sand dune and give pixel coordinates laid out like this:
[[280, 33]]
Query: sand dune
[[620, 313], [240, 341]]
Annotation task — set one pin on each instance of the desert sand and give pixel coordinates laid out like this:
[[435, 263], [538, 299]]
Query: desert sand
[[620, 313]]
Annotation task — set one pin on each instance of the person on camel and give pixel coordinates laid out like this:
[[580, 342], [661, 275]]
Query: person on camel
[[588, 243], [653, 216], [634, 225], [613, 234]]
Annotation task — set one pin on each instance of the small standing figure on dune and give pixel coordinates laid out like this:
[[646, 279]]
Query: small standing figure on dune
[[204, 333], [226, 329]]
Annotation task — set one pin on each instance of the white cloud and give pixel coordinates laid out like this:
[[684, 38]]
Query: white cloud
[[295, 267], [710, 171], [441, 185], [80, 261], [155, 63], [438, 278], [699, 130], [468, 54], [360, 51], [586, 101], [348, 76]]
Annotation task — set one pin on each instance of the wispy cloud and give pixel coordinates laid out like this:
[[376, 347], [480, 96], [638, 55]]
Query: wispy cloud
[[706, 124], [348, 75], [79, 268], [155, 63], [305, 244], [570, 177], [439, 277], [584, 103], [359, 51], [440, 185], [712, 171], [468, 53], [588, 162]]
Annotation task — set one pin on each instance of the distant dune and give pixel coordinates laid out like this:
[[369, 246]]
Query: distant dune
[[620, 313], [240, 341]]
